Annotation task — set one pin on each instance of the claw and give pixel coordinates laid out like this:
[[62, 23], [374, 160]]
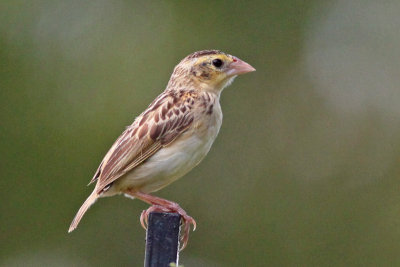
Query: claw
[[163, 205], [194, 224], [186, 220], [142, 220], [144, 216]]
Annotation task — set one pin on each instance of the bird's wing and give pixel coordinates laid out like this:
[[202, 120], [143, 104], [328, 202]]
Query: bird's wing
[[158, 126]]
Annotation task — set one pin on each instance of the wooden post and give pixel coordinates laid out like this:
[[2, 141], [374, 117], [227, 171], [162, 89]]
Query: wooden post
[[162, 239]]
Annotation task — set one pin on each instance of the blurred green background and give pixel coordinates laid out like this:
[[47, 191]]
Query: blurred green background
[[305, 171]]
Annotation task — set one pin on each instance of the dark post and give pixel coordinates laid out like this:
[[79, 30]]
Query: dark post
[[162, 239]]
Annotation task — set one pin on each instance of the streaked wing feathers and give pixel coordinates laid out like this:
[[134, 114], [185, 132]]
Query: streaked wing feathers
[[158, 126]]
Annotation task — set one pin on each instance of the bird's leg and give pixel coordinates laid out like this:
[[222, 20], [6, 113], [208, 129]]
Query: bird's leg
[[163, 205]]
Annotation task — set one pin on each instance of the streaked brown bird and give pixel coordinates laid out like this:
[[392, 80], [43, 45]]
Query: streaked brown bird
[[170, 137]]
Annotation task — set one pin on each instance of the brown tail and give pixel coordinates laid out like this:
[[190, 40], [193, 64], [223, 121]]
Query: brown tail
[[85, 206]]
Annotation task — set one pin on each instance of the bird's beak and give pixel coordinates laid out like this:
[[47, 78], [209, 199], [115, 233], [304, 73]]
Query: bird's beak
[[238, 67]]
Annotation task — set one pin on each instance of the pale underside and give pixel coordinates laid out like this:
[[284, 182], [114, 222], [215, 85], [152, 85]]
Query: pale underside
[[163, 144]]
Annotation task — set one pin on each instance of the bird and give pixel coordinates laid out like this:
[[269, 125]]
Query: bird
[[169, 138]]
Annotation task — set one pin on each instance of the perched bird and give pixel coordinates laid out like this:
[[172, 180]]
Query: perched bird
[[170, 137]]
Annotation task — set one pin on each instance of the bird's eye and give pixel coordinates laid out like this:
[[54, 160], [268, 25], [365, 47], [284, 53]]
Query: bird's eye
[[217, 62]]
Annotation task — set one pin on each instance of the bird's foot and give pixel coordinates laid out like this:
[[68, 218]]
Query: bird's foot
[[163, 205], [174, 208], [144, 217]]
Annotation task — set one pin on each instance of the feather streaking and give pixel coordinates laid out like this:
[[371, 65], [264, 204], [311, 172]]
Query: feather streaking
[[170, 137]]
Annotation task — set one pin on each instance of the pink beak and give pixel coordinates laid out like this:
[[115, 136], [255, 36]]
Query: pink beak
[[238, 67]]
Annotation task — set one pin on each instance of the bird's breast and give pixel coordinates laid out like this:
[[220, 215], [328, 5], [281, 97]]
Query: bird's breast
[[178, 158]]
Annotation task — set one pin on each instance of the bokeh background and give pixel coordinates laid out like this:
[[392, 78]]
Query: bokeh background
[[305, 171]]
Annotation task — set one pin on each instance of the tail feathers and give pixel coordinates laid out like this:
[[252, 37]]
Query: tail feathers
[[85, 206]]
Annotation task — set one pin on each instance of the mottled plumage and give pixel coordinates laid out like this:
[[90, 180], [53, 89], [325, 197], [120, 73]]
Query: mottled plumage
[[170, 137]]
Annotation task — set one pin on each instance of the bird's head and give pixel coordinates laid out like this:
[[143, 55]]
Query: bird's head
[[209, 70]]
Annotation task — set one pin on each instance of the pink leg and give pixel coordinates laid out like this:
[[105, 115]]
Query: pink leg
[[163, 205]]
